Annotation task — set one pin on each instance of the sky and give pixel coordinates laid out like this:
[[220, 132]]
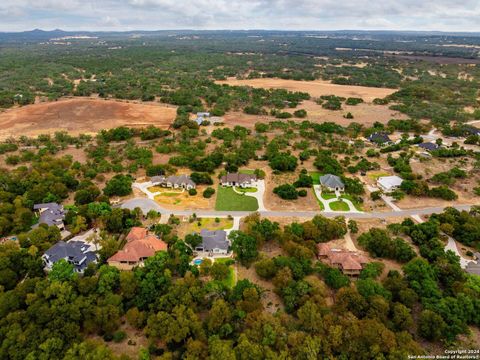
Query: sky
[[123, 15]]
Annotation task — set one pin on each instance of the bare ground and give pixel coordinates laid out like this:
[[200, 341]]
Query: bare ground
[[314, 88], [82, 115]]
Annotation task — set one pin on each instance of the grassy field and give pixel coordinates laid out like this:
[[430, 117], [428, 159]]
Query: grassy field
[[247, 171], [328, 195], [229, 200], [245, 190], [339, 206], [374, 175], [315, 177], [203, 223]]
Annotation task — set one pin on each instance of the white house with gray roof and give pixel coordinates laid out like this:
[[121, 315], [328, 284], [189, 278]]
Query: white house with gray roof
[[78, 253], [214, 242], [174, 181], [332, 182], [51, 214], [389, 183]]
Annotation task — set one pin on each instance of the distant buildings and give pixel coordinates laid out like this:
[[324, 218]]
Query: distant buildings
[[428, 146], [175, 182], [77, 252], [201, 117], [332, 182], [389, 183], [50, 214], [348, 262], [380, 138], [239, 179], [140, 246], [214, 242]]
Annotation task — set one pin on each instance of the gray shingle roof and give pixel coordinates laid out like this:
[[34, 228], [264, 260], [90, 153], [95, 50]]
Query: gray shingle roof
[[428, 146], [379, 137], [331, 181], [179, 180], [238, 178], [216, 239], [75, 252], [52, 214]]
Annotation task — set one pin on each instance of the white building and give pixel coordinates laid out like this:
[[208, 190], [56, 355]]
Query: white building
[[389, 183]]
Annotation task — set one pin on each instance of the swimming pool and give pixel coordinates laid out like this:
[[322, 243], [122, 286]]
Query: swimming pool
[[197, 261]]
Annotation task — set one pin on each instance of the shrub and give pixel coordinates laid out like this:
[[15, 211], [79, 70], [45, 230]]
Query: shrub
[[208, 192], [300, 113], [302, 193], [286, 192], [192, 192], [119, 336]]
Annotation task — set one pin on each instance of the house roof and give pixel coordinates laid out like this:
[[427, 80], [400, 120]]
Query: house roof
[[331, 181], [238, 178], [347, 260], [379, 137], [174, 179], [472, 130], [139, 247], [203, 114], [52, 214], [216, 239], [428, 146], [390, 181], [323, 249], [76, 252]]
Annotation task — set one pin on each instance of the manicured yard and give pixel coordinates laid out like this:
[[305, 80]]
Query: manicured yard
[[229, 200], [244, 190], [358, 205], [339, 206], [205, 223], [247, 171], [328, 195]]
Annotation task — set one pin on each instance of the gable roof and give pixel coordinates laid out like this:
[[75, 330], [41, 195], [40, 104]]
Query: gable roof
[[214, 239], [390, 181], [428, 146], [379, 137], [139, 246], [76, 252], [331, 181], [239, 178], [52, 214], [173, 179]]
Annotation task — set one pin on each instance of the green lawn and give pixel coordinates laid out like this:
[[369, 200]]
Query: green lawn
[[230, 280], [244, 190], [246, 171], [316, 178], [328, 195], [229, 200], [339, 206], [354, 202]]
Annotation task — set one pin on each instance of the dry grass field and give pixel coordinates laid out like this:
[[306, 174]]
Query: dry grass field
[[314, 88], [82, 115]]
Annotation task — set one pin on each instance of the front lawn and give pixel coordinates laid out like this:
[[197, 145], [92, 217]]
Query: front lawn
[[229, 200], [328, 195], [339, 206], [244, 190], [357, 205], [203, 223]]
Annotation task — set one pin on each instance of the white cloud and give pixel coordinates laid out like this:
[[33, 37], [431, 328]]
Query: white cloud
[[450, 15]]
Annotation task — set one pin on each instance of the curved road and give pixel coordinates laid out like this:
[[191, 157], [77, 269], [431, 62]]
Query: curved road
[[148, 204]]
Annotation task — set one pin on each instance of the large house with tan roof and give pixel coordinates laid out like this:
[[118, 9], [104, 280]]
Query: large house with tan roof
[[140, 246], [348, 262], [239, 179]]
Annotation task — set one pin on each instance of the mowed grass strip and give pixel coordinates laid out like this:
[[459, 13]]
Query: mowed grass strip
[[339, 206], [229, 200]]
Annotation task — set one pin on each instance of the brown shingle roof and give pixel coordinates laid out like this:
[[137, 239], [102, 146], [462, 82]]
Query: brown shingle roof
[[238, 178], [138, 247]]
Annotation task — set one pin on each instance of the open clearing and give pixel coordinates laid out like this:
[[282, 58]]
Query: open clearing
[[82, 115], [314, 88]]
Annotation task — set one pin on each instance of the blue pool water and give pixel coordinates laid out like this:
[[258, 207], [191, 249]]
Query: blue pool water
[[197, 261]]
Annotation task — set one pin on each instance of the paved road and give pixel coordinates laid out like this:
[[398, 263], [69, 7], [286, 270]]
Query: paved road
[[148, 204]]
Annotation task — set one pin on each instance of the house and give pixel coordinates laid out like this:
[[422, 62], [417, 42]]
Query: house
[[389, 183], [140, 246], [50, 214], [239, 179], [472, 130], [175, 182], [332, 182], [428, 146], [201, 117], [214, 242], [348, 262], [77, 252], [380, 138]]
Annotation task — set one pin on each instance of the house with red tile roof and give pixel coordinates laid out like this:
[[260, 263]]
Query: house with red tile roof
[[140, 246], [349, 262]]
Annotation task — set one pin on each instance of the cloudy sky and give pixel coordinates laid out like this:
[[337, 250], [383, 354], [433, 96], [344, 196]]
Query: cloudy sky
[[446, 15]]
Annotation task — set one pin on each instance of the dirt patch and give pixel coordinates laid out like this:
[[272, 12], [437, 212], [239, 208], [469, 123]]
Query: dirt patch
[[82, 115], [314, 88]]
